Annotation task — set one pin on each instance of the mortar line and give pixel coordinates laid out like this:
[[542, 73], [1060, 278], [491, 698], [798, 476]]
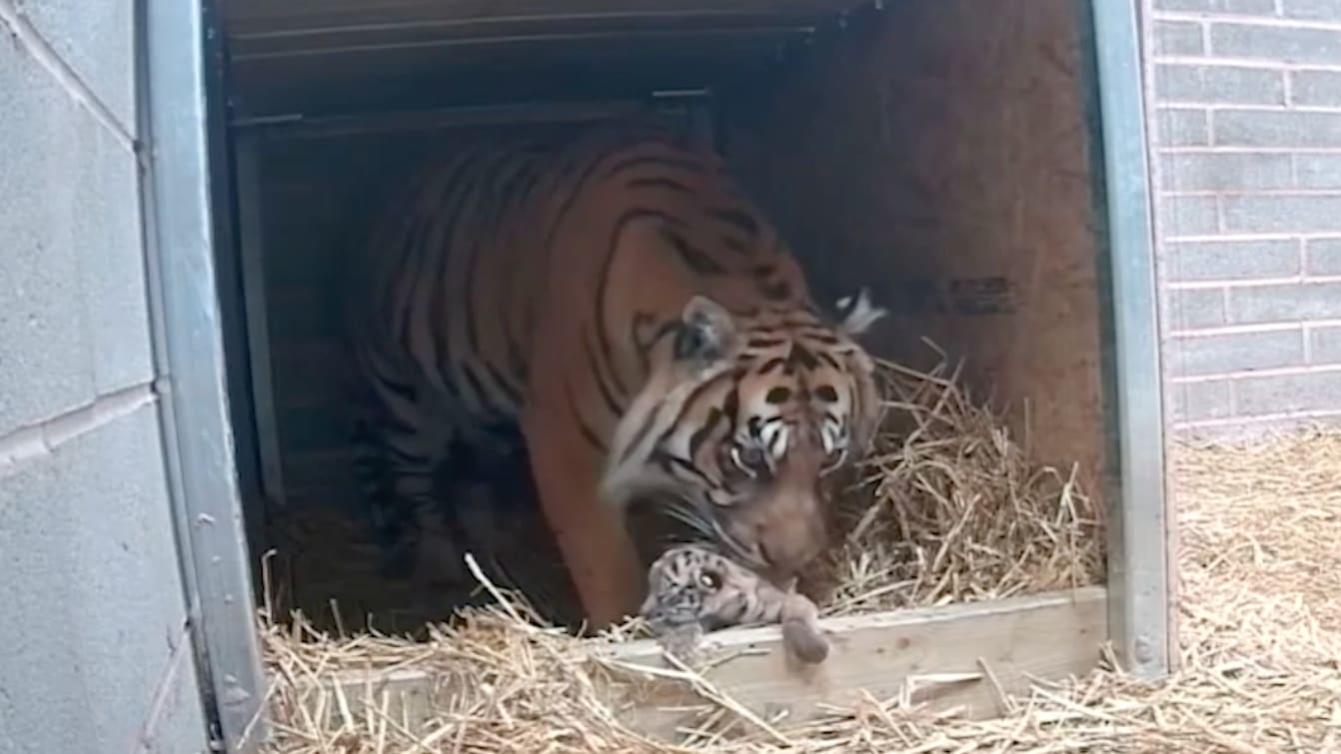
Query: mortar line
[[39, 440], [37, 46]]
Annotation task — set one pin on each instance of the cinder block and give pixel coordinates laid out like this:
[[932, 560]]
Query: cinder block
[[75, 320], [1194, 308], [89, 552], [1219, 84], [1178, 38], [44, 361], [1250, 7], [1201, 401], [1225, 171], [1315, 88], [1236, 352], [1285, 302], [1188, 215], [1261, 128], [1282, 213], [1181, 127], [1278, 394], [1318, 171], [1324, 345], [1312, 10], [97, 40], [1324, 256], [1230, 260], [1277, 44]]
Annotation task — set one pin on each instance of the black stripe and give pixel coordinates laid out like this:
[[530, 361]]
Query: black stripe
[[770, 365], [731, 407], [827, 359], [737, 218], [693, 257], [510, 391], [447, 213], [821, 336], [683, 163], [764, 342], [603, 281], [802, 357], [776, 291], [649, 421], [591, 164], [583, 426], [701, 435], [666, 183], [669, 462], [482, 396], [689, 402], [615, 407], [487, 212]]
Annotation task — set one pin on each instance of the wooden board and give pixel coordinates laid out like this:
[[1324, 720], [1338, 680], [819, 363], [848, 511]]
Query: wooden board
[[960, 656]]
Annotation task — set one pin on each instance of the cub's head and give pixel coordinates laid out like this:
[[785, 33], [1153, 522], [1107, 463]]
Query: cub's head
[[744, 418], [692, 584]]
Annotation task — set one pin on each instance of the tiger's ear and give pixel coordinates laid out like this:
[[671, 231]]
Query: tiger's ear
[[857, 314], [706, 331]]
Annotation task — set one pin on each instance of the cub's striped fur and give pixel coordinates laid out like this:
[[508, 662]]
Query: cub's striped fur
[[691, 589], [611, 301]]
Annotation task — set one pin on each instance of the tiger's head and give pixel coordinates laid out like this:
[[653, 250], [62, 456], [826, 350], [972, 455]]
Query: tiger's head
[[744, 418]]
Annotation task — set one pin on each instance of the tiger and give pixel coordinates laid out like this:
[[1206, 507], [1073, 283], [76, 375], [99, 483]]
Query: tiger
[[692, 589], [612, 303]]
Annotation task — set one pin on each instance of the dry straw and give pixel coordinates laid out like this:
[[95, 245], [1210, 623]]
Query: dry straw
[[954, 513]]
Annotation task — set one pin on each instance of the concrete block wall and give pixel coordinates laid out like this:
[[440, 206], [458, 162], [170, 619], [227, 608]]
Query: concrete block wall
[[1244, 99], [96, 652]]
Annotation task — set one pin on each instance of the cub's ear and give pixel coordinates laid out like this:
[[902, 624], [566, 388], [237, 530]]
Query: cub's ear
[[706, 332], [856, 314]]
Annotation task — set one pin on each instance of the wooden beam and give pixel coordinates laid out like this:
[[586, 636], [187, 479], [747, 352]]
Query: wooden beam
[[947, 657]]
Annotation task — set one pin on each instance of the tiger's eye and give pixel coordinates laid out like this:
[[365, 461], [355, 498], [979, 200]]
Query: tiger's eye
[[752, 457], [711, 580]]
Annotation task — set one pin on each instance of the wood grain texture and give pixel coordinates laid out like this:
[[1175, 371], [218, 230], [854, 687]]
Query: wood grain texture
[[946, 657], [939, 154]]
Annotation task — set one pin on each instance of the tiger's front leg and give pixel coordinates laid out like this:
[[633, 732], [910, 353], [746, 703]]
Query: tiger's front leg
[[591, 536]]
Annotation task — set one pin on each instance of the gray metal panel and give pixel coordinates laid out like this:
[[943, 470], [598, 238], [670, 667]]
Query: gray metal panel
[[188, 334], [1138, 522]]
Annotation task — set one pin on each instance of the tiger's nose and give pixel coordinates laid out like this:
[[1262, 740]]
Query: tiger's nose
[[787, 554]]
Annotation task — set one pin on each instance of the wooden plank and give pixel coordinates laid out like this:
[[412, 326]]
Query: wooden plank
[[940, 653], [1048, 636]]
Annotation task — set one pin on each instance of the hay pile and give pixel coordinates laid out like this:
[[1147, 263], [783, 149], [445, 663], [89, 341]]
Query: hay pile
[[949, 508], [1261, 634]]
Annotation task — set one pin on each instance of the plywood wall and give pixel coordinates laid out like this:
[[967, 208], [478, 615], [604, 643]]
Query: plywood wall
[[937, 153]]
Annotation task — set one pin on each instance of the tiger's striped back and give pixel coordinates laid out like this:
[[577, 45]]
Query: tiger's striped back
[[614, 302]]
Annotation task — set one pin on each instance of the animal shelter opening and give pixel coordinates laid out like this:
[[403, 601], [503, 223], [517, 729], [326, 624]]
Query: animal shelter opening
[[826, 284]]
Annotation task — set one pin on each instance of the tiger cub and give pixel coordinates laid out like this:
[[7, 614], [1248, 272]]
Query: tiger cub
[[692, 589]]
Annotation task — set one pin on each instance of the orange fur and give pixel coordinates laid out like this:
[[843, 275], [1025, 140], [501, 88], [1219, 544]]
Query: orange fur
[[642, 323]]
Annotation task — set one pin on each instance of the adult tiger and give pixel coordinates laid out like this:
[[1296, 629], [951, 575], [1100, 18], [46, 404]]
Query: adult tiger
[[614, 297]]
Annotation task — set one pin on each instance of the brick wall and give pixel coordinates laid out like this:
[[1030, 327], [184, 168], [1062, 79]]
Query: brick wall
[[1245, 106], [95, 650]]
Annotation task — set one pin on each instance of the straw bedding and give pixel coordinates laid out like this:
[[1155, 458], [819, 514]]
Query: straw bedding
[[950, 509]]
